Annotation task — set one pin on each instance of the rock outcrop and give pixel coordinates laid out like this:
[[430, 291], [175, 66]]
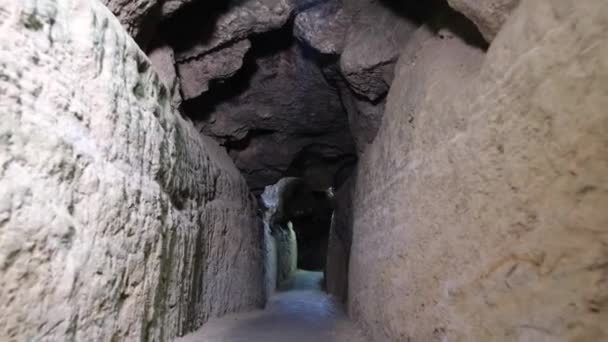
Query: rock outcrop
[[249, 85], [119, 221], [162, 59], [241, 20], [373, 43], [366, 37], [281, 107], [196, 73], [216, 52], [278, 112], [170, 7], [489, 16], [135, 15], [323, 27], [479, 210]]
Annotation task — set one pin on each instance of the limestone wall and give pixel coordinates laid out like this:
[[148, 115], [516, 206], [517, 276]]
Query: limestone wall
[[339, 243], [480, 208], [118, 221], [279, 237], [287, 255]]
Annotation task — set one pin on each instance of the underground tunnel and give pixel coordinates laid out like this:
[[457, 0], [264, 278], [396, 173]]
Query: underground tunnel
[[296, 170]]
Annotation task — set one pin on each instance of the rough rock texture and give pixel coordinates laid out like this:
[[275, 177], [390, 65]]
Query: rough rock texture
[[339, 243], [141, 17], [364, 117], [135, 15], [278, 117], [162, 59], [323, 27], [196, 73], [487, 15], [274, 199], [367, 35], [480, 209], [282, 247], [170, 7], [373, 43], [215, 50], [119, 221], [241, 20]]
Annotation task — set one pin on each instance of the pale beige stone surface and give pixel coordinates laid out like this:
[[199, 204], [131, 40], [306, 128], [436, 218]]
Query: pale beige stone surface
[[118, 220], [480, 209]]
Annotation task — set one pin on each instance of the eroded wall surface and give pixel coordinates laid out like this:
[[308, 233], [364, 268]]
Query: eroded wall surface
[[279, 236], [339, 243], [118, 220], [480, 208]]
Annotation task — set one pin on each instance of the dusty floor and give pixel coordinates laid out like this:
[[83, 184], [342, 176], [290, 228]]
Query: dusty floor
[[304, 313]]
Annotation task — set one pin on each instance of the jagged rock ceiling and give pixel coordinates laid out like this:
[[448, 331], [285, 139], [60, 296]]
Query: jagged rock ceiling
[[288, 87]]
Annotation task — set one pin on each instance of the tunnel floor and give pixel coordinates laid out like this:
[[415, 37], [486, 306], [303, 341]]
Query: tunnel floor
[[302, 313]]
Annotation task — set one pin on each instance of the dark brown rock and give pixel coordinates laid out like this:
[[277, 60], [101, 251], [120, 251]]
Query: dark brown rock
[[170, 7], [368, 35], [242, 19], [196, 73], [364, 117], [323, 27], [287, 114]]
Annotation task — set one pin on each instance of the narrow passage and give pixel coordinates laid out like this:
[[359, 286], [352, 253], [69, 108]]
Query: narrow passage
[[302, 313]]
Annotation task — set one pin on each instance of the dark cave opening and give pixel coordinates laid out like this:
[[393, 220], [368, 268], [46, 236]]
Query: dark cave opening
[[298, 219], [310, 213]]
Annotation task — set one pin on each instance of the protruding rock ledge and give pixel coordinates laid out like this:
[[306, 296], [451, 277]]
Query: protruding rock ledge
[[196, 73]]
